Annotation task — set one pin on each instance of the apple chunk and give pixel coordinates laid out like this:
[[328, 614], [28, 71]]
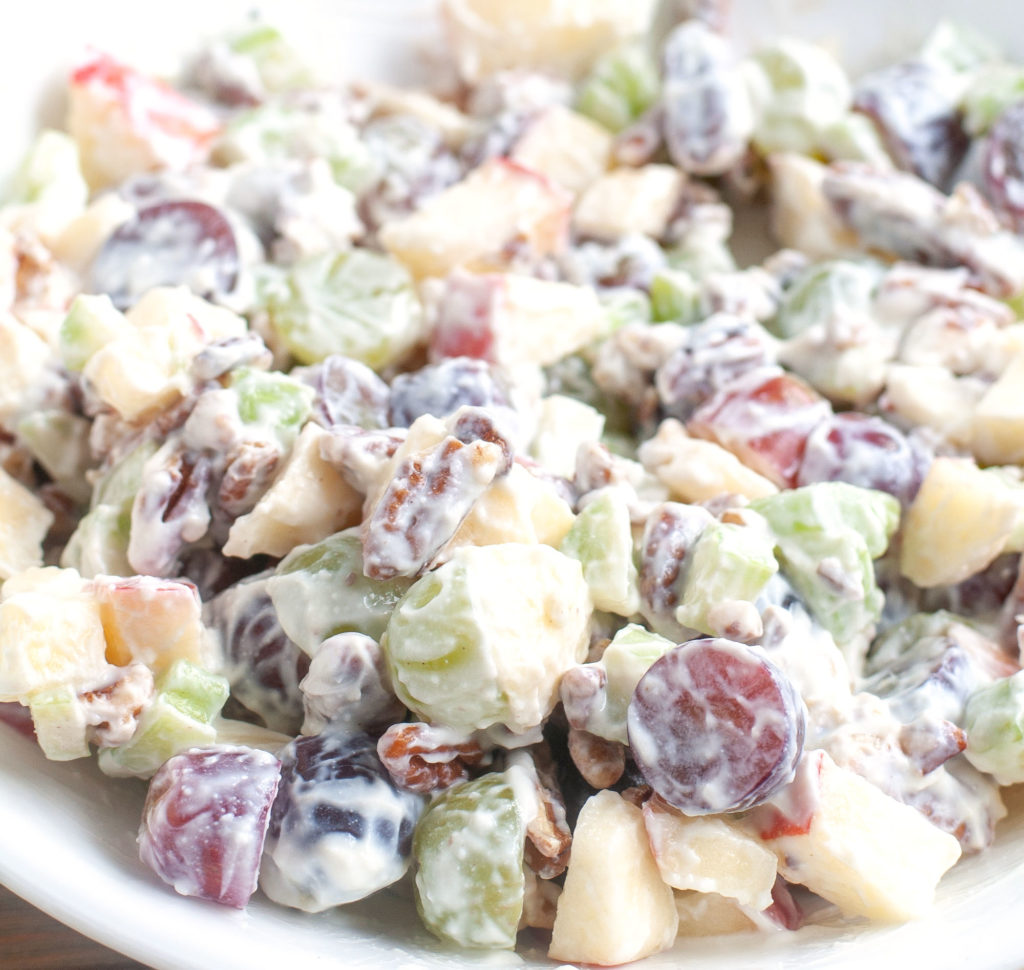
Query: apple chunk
[[479, 221], [614, 907], [849, 842]]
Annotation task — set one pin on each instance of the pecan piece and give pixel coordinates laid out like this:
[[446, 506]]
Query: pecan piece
[[424, 758]]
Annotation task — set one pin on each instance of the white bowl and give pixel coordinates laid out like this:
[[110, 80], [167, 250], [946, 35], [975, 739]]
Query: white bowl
[[67, 833]]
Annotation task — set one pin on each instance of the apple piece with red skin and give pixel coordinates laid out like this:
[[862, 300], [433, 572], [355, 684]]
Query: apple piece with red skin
[[151, 621], [482, 222], [764, 418]]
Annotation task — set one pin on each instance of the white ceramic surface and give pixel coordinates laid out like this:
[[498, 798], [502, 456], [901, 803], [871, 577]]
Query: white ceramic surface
[[67, 834]]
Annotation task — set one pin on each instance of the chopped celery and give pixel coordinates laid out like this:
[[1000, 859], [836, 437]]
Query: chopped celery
[[675, 296], [729, 568], [957, 47], [624, 305], [478, 901], [360, 304], [824, 291], [827, 535], [99, 544], [994, 720], [180, 716], [118, 486], [620, 87], [51, 174], [59, 721], [602, 540], [319, 590], [277, 63], [798, 89], [992, 90], [92, 322], [278, 402]]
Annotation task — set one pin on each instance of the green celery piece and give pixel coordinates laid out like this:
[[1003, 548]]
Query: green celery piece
[[623, 306], [620, 87], [675, 296], [320, 589], [478, 901], [359, 304], [274, 400], [59, 441], [994, 721], [730, 563], [180, 716], [91, 322], [827, 535], [601, 539], [278, 64], [957, 47], [991, 91], [59, 722], [51, 173], [99, 544], [839, 286], [625, 660]]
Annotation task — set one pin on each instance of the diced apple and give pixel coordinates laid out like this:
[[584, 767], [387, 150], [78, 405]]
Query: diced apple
[[564, 423], [709, 854], [696, 470], [126, 123], [473, 223], [50, 634], [566, 147], [614, 907], [151, 621], [852, 844], [802, 217], [629, 200], [548, 35], [934, 398], [24, 522], [23, 356], [517, 507], [959, 522], [511, 319], [308, 501], [998, 422], [709, 914]]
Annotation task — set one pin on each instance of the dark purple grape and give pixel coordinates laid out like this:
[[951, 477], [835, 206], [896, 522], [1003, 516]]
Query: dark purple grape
[[441, 389], [262, 665], [205, 820], [340, 829], [715, 727], [866, 451], [1002, 166], [917, 114], [714, 353], [347, 393], [170, 243]]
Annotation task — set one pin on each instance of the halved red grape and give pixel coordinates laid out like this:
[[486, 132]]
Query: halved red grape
[[170, 243], [715, 727], [864, 450], [1002, 167], [205, 820]]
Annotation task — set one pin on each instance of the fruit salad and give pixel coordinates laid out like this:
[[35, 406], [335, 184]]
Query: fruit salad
[[416, 492]]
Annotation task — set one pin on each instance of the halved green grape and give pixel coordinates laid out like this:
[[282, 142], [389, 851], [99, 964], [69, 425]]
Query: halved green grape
[[99, 544], [469, 849], [180, 716], [827, 535], [730, 565], [50, 173], [601, 539], [992, 90], [59, 441], [994, 720], [120, 483], [320, 590], [620, 87], [484, 639], [956, 47], [359, 304]]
